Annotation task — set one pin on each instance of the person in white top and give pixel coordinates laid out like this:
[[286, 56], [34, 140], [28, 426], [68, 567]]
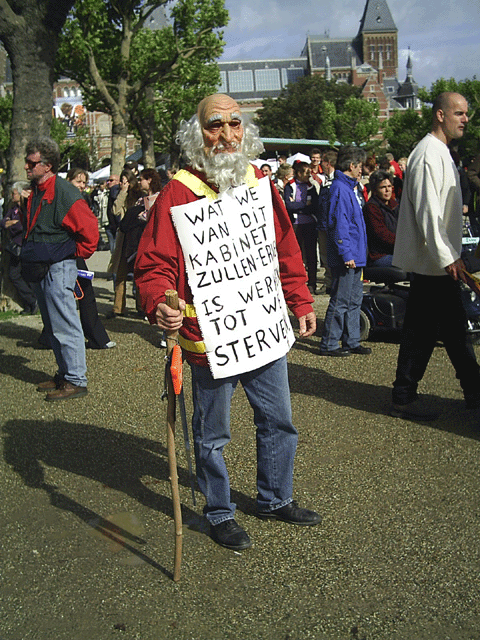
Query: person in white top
[[428, 245]]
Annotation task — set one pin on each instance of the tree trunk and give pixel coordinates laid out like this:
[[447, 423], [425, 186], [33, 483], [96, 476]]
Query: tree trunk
[[146, 129], [32, 102], [29, 30], [119, 145], [30, 37], [148, 148], [147, 133]]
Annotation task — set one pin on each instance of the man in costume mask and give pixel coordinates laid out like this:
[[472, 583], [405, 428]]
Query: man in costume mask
[[219, 234]]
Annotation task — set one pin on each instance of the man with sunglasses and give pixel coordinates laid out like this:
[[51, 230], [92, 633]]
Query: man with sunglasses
[[58, 227]]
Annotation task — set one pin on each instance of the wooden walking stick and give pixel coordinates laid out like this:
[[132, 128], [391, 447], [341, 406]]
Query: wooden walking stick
[[172, 301]]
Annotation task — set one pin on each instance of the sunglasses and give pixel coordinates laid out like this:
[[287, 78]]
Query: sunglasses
[[31, 165]]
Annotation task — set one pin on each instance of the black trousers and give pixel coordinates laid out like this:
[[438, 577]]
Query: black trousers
[[24, 289], [92, 326], [435, 312], [307, 239]]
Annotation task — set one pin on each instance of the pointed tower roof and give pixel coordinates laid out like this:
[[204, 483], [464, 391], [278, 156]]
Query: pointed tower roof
[[376, 17], [409, 66], [409, 87]]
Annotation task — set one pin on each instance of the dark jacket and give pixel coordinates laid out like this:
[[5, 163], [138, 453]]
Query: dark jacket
[[14, 231], [381, 223], [308, 205], [346, 234]]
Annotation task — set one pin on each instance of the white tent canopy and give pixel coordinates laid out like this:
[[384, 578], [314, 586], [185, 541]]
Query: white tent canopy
[[271, 161], [103, 173], [100, 174], [298, 156]]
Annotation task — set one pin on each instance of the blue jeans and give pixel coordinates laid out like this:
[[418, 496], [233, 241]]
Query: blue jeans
[[62, 324], [342, 320], [268, 392]]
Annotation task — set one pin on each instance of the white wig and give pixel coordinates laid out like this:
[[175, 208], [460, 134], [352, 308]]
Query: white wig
[[223, 169]]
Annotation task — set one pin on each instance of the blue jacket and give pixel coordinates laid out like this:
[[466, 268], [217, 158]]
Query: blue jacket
[[346, 234]]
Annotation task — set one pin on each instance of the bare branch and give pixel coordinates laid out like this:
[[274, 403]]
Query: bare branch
[[144, 17], [99, 83]]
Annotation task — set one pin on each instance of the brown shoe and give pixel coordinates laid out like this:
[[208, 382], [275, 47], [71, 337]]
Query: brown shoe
[[50, 385], [66, 391]]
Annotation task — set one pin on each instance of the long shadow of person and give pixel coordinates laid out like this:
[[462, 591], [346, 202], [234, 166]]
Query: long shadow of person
[[115, 460], [375, 398], [19, 367]]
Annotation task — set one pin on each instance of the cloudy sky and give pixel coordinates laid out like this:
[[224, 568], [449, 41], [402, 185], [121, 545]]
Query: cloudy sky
[[444, 35]]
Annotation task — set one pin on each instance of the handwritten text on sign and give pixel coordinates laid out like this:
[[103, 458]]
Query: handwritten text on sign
[[232, 266]]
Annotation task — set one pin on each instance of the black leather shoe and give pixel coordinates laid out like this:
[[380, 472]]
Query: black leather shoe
[[229, 534], [293, 514], [335, 353], [362, 351], [29, 311]]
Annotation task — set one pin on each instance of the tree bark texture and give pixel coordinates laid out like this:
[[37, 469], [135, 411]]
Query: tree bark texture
[[29, 30], [146, 128]]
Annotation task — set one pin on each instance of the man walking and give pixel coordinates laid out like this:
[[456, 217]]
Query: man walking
[[59, 226], [428, 244], [217, 224]]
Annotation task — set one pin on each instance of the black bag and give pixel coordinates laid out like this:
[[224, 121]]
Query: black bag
[[470, 259], [34, 271], [13, 248]]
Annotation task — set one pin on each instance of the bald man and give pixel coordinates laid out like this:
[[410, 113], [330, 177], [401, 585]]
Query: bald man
[[219, 144], [428, 244]]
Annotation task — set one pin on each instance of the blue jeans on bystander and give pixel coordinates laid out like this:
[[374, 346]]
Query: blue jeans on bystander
[[342, 320], [62, 324]]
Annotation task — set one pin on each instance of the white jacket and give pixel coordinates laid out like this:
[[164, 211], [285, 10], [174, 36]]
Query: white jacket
[[429, 231]]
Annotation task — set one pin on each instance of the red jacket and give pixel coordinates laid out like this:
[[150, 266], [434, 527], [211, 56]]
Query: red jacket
[[58, 223], [380, 234], [160, 263]]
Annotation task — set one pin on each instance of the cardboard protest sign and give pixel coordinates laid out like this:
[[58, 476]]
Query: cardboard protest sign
[[232, 265]]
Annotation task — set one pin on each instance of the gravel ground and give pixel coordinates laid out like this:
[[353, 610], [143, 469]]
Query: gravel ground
[[86, 516]]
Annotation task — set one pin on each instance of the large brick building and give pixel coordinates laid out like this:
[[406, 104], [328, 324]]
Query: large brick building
[[368, 60]]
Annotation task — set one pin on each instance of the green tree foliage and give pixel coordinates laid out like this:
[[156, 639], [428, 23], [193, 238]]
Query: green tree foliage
[[6, 105], [299, 111], [357, 122], [124, 68], [404, 129], [470, 88], [315, 109], [76, 151], [193, 76]]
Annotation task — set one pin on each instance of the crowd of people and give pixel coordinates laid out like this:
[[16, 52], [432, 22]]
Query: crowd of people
[[342, 208]]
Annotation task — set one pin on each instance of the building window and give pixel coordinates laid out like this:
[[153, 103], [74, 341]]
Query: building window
[[291, 75], [240, 81], [267, 80], [372, 89], [372, 100], [372, 52], [223, 82], [389, 51]]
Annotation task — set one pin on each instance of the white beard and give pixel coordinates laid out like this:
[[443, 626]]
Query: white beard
[[225, 170]]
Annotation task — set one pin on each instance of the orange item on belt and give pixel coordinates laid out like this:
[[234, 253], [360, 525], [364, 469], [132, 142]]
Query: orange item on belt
[[176, 369]]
